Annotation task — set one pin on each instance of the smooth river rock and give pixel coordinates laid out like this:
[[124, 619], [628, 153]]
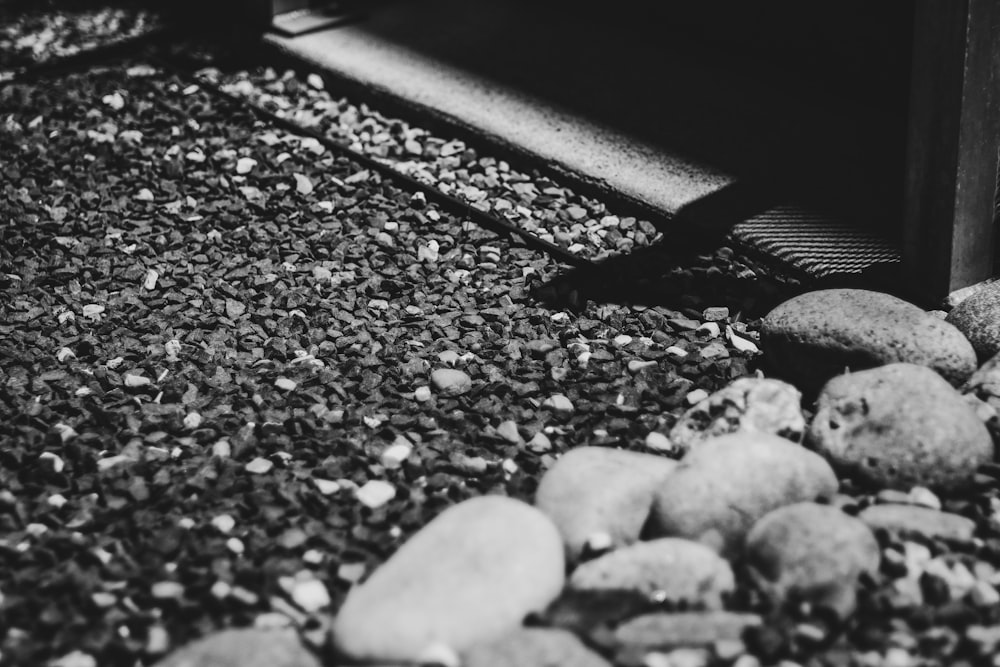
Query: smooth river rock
[[678, 570], [600, 496], [905, 520], [761, 405], [534, 647], [726, 484], [470, 576], [978, 317], [899, 426], [665, 631], [450, 381], [814, 336], [244, 647], [811, 553]]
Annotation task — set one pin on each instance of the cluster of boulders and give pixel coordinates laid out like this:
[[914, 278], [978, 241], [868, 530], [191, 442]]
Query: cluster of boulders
[[901, 402]]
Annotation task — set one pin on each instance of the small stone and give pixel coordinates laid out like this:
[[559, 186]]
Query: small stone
[[259, 466], [814, 336], [665, 631], [760, 405], [285, 384], [906, 520], [394, 455], [600, 490], [136, 381], [899, 426], [813, 553], [507, 430], [245, 165], [695, 397], [375, 493], [326, 486], [983, 595], [75, 659], [246, 647], [539, 443], [533, 647], [558, 403], [451, 381], [727, 483], [315, 81], [658, 442], [422, 394], [672, 569], [310, 595], [715, 314], [709, 330], [921, 495], [469, 577], [675, 351], [167, 590], [224, 523]]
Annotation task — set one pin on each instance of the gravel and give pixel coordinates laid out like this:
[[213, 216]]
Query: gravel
[[216, 403]]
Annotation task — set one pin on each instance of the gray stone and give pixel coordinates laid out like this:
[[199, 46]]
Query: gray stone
[[983, 393], [246, 647], [534, 647], [726, 484], [470, 576], [451, 381], [814, 336], [664, 631], [899, 426], [761, 405], [678, 570], [811, 553], [600, 492], [915, 520], [978, 317]]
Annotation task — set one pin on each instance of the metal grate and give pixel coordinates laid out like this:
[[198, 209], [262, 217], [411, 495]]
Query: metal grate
[[816, 244]]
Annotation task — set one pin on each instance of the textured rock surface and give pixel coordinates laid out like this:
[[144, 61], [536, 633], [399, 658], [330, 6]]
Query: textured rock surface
[[899, 426], [451, 381], [978, 317], [598, 491], [811, 553], [911, 519], [249, 647], [680, 570], [814, 336], [761, 405], [694, 628], [534, 647], [726, 484], [469, 576]]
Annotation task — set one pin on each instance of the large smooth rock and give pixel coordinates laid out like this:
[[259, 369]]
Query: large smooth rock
[[905, 520], [599, 494], [726, 484], [811, 553], [677, 569], [760, 405], [534, 647], [978, 317], [664, 631], [470, 576], [899, 426], [815, 336], [245, 647]]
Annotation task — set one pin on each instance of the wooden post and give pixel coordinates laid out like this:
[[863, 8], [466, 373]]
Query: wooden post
[[949, 235]]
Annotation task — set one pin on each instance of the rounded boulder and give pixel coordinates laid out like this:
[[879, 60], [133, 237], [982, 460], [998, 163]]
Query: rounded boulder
[[470, 576], [815, 336], [899, 426], [727, 483]]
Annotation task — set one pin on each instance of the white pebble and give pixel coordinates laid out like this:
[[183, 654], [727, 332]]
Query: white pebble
[[259, 466], [224, 523], [192, 420], [921, 495], [509, 466], [659, 442], [439, 654], [245, 165], [326, 486], [65, 353], [57, 500], [676, 351], [422, 394], [375, 493], [54, 461], [235, 545], [315, 80], [696, 396], [310, 595], [559, 403], [394, 455], [622, 340], [636, 365], [285, 384], [709, 330]]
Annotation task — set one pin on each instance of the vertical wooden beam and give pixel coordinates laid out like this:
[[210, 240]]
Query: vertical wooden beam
[[949, 235]]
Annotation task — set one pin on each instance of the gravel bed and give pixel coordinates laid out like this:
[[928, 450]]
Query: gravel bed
[[32, 33], [213, 330], [555, 213]]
